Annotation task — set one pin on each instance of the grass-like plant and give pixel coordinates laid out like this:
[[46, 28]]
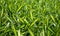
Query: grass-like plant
[[29, 17]]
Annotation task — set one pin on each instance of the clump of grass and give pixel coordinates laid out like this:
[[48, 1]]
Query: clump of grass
[[29, 17]]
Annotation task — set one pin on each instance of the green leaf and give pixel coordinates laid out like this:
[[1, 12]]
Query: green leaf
[[31, 33]]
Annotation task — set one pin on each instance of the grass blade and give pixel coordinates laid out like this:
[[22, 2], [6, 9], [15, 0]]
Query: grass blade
[[31, 33]]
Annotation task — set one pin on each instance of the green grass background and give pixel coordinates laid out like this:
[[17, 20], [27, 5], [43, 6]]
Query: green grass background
[[29, 17]]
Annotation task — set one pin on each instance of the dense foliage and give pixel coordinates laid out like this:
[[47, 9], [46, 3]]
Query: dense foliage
[[29, 17]]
